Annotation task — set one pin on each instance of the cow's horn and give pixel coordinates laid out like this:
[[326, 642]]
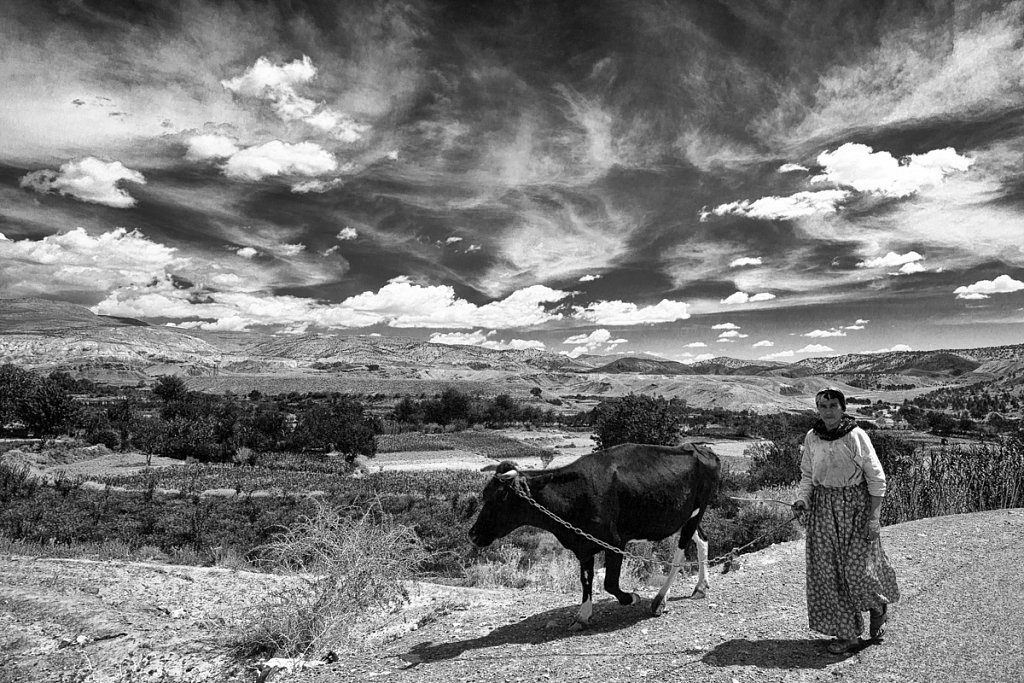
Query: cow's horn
[[508, 476]]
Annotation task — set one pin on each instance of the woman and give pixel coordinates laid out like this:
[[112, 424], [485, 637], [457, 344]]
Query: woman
[[842, 486]]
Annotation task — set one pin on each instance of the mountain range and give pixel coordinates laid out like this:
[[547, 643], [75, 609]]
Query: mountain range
[[46, 335]]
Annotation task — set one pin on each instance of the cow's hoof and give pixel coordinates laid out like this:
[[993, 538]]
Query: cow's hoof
[[578, 625], [657, 606], [699, 593]]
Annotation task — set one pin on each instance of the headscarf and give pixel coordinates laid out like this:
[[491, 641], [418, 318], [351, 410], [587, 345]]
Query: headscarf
[[845, 426]]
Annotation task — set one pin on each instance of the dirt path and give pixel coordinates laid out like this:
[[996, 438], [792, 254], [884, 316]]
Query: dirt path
[[960, 619]]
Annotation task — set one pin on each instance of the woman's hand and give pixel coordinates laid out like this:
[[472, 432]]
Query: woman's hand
[[872, 529]]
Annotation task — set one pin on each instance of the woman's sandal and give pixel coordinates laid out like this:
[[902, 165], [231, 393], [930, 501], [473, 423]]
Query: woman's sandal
[[878, 621], [838, 647]]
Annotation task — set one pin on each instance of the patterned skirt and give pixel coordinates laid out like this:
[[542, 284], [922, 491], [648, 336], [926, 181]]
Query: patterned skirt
[[846, 574]]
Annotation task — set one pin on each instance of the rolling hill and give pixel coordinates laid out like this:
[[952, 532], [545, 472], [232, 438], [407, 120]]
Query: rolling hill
[[44, 335]]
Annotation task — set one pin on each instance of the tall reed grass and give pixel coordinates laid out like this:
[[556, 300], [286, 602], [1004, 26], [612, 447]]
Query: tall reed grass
[[955, 480]]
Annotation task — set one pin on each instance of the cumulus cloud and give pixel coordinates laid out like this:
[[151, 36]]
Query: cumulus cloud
[[790, 168], [696, 345], [624, 313], [763, 342], [895, 347], [745, 261], [203, 147], [590, 343], [725, 326], [834, 332], [853, 168], [89, 180], [732, 334], [78, 260], [910, 268], [743, 298], [815, 348], [478, 338], [276, 158], [347, 233], [799, 205], [907, 264], [400, 303], [589, 278], [247, 252], [982, 289], [778, 355], [890, 260], [276, 84], [316, 186], [859, 167]]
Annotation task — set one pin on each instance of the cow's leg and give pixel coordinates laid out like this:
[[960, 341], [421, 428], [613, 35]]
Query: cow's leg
[[587, 581], [612, 570], [658, 604], [700, 591]]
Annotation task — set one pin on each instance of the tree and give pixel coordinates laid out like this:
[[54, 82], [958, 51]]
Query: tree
[[48, 409], [170, 388], [636, 418], [15, 385], [341, 425]]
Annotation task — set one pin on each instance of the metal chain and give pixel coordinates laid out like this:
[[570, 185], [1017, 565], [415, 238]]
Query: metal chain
[[524, 493]]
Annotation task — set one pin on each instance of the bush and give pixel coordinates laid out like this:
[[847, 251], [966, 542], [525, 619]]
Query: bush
[[773, 463], [635, 418], [345, 567]]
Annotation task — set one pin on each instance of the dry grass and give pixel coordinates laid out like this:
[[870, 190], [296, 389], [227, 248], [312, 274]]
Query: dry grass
[[346, 564]]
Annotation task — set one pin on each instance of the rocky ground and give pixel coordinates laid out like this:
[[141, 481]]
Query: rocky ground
[[960, 618]]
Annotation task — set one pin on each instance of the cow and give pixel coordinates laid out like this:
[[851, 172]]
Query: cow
[[623, 493]]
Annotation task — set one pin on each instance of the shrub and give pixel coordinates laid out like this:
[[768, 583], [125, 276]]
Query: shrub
[[345, 566], [636, 418], [773, 463]]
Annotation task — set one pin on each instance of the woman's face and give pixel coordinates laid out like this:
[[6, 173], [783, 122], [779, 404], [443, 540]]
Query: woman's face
[[830, 411]]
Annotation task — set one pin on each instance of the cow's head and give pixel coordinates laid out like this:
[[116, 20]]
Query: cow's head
[[501, 509]]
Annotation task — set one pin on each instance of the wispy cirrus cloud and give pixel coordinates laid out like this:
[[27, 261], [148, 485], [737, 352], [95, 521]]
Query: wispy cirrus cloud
[[89, 180]]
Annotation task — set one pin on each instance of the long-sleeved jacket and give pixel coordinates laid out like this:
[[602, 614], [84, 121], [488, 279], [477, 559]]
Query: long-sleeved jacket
[[846, 461]]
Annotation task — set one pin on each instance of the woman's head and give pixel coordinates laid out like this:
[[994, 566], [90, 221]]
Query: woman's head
[[830, 393], [831, 405]]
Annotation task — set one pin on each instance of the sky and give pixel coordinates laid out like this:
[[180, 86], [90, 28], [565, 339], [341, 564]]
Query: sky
[[760, 179]]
